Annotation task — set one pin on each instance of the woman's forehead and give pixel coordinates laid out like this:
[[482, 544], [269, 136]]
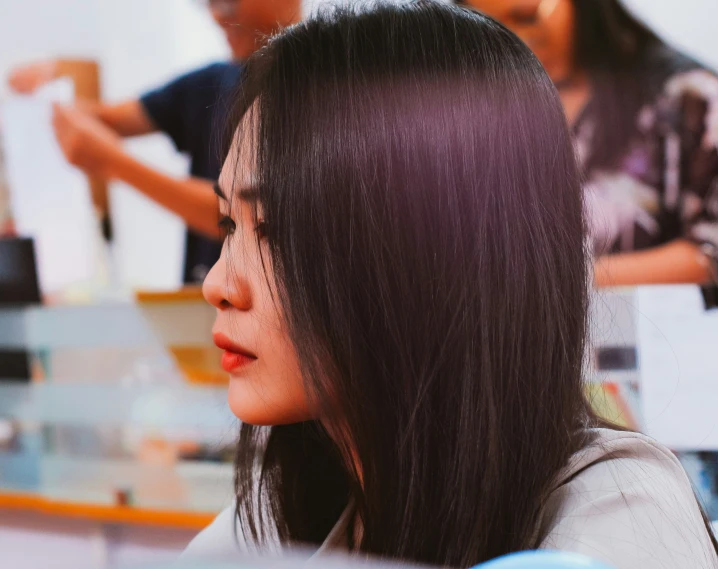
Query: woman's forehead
[[240, 165]]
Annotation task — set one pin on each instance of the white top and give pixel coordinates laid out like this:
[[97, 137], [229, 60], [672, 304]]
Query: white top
[[624, 500]]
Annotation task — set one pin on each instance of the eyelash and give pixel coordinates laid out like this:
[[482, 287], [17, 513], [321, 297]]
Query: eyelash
[[261, 229], [227, 227]]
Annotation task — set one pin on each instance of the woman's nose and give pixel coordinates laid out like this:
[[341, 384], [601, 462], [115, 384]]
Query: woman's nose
[[225, 291]]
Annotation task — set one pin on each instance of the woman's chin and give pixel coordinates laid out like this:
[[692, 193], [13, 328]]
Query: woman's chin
[[255, 406]]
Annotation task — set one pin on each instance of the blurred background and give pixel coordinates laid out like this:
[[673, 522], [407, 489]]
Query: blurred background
[[116, 442], [140, 45]]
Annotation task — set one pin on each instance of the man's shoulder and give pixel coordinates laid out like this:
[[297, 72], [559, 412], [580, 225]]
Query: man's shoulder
[[215, 74]]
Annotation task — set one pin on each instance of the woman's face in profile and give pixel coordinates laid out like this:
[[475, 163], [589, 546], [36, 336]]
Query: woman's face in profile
[[546, 26], [265, 385]]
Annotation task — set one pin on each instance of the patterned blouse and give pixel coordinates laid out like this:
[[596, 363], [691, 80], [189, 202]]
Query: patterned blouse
[[666, 184]]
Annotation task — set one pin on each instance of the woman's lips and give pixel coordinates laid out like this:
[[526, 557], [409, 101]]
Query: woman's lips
[[232, 361], [235, 356]]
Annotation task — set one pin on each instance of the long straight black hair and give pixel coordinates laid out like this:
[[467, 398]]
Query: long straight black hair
[[406, 157], [628, 65]]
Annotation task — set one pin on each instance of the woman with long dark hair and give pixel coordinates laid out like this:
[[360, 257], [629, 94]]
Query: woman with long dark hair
[[644, 121], [403, 316]]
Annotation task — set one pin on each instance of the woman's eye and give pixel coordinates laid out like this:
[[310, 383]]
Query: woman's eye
[[261, 229], [226, 226]]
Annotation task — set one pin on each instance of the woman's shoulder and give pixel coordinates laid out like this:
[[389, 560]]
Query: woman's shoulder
[[610, 444], [619, 461], [700, 83], [223, 540], [687, 92], [625, 499], [219, 540]]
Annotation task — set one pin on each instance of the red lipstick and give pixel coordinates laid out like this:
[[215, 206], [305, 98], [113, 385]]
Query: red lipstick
[[235, 356]]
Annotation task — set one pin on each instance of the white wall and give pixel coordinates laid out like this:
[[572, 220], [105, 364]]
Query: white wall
[[687, 24], [141, 43]]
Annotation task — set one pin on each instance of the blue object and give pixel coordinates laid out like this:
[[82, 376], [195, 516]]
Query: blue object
[[543, 560]]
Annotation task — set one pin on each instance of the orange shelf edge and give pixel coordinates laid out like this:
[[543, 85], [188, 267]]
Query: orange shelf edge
[[184, 294], [106, 514]]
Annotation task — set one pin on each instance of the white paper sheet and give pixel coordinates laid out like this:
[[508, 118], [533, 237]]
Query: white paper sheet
[[678, 361], [50, 199]]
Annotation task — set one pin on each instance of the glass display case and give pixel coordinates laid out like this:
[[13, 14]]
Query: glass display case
[[124, 415], [616, 374], [125, 419]]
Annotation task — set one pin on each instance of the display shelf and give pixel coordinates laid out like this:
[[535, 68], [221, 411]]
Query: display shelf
[[200, 412], [125, 418], [105, 513]]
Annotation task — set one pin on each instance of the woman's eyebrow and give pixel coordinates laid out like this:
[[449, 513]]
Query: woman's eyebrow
[[245, 194], [248, 195], [219, 192]]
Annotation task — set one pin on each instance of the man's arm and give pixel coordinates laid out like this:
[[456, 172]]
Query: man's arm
[[128, 118], [193, 199], [679, 261], [90, 145]]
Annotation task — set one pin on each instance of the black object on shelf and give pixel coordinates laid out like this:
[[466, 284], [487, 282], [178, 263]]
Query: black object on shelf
[[710, 296], [18, 273], [18, 287], [616, 358]]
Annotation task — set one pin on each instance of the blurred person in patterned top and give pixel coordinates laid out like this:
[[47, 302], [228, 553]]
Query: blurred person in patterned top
[[645, 121]]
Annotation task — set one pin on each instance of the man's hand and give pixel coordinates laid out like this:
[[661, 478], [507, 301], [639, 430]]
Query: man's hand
[[86, 142], [28, 78]]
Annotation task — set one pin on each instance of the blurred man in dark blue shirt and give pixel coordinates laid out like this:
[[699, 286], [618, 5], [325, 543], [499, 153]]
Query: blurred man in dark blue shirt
[[191, 110]]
